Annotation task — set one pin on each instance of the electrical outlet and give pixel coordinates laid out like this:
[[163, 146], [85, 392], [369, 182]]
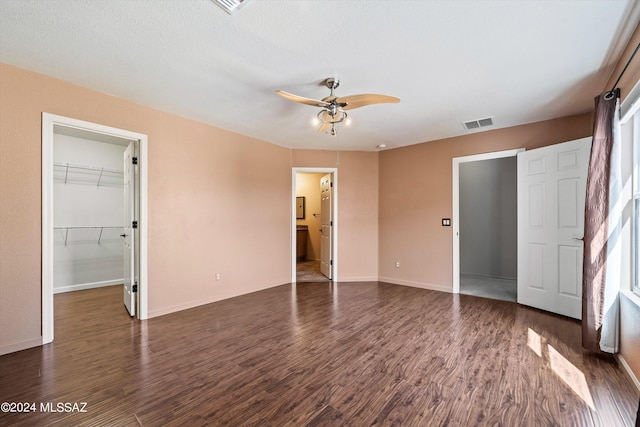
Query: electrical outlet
[[397, 264], [218, 276]]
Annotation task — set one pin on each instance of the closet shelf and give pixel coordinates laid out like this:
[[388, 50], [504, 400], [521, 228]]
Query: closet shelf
[[87, 173], [89, 227]]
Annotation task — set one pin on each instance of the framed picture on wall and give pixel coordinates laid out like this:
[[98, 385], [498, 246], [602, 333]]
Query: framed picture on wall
[[300, 207]]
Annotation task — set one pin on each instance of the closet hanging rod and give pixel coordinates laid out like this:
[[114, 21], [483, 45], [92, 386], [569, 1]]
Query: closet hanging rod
[[91, 170], [87, 167], [87, 227]]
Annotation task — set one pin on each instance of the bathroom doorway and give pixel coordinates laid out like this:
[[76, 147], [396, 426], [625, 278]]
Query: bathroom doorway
[[314, 216]]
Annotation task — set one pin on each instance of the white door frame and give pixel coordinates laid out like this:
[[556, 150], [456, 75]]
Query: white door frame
[[334, 237], [456, 204], [48, 123]]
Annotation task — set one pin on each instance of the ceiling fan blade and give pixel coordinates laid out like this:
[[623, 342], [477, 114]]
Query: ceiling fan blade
[[355, 101], [301, 99], [324, 127]]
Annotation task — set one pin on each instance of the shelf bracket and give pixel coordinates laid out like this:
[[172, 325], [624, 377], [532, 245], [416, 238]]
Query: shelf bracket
[[100, 177]]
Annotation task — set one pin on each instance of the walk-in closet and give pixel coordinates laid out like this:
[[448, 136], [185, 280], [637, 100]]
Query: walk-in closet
[[488, 228], [88, 210]]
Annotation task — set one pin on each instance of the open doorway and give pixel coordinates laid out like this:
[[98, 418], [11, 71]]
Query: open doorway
[[485, 225], [314, 220], [88, 209], [84, 235]]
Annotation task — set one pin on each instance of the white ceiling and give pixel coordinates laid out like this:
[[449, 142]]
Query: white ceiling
[[519, 61]]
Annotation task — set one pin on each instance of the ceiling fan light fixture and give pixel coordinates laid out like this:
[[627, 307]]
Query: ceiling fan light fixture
[[336, 116]]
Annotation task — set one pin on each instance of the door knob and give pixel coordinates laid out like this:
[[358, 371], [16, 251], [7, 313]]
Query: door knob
[[123, 235]]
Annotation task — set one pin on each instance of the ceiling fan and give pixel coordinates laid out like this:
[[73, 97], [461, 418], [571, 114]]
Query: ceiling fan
[[334, 107]]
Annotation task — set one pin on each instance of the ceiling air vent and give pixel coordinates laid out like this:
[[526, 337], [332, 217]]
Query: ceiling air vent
[[476, 124], [231, 6]]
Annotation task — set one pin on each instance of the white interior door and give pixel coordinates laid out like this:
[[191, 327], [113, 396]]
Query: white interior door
[[129, 230], [551, 195], [326, 229]]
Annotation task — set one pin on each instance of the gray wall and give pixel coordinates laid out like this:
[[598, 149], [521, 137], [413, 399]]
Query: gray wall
[[488, 217]]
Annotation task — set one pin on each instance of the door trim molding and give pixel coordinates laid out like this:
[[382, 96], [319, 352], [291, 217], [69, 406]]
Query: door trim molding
[[455, 229], [48, 123], [334, 237]]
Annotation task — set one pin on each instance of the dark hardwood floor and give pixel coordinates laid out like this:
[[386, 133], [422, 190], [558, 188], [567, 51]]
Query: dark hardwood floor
[[354, 354]]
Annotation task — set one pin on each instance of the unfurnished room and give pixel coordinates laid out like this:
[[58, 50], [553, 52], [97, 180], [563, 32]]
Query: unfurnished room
[[320, 212]]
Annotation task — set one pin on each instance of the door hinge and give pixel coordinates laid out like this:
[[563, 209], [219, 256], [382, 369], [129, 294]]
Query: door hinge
[[134, 224], [331, 262], [134, 160], [135, 288], [331, 184], [331, 223]]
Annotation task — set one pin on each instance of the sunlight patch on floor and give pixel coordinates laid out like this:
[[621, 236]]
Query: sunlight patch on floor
[[534, 342], [571, 375], [567, 371]]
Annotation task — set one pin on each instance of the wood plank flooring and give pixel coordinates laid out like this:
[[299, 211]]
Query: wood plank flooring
[[317, 354]]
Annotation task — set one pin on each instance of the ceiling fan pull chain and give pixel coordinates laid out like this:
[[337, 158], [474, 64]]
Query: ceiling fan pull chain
[[337, 150]]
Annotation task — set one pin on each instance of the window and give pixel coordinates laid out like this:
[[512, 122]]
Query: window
[[635, 135], [630, 150], [630, 136]]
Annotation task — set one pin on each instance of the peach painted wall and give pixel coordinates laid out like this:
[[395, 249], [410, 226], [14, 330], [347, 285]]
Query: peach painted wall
[[212, 195], [308, 185], [630, 333], [416, 193], [357, 208]]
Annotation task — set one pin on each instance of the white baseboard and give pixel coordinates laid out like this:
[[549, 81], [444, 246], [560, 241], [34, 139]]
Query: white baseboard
[[358, 279], [197, 303], [12, 348], [83, 286], [628, 370], [420, 285]]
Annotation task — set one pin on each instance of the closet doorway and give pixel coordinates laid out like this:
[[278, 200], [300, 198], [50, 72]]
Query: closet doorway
[[94, 210], [485, 225], [314, 240]]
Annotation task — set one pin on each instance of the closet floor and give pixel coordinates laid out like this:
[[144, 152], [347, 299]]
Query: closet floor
[[489, 287]]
